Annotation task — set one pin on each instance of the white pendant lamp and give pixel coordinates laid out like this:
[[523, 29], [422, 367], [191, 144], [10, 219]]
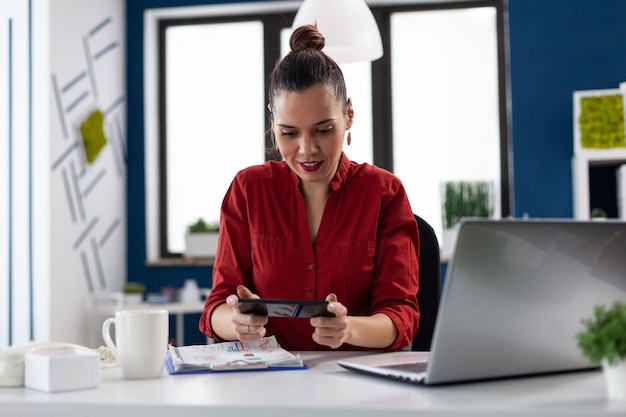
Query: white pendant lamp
[[348, 26]]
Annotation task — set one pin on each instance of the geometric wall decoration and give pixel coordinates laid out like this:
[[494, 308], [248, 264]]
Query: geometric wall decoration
[[62, 189], [88, 160]]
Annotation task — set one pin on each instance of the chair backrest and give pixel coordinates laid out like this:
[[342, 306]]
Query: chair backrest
[[429, 285]]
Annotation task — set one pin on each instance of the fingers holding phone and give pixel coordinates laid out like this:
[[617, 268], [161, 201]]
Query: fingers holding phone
[[248, 327], [331, 331]]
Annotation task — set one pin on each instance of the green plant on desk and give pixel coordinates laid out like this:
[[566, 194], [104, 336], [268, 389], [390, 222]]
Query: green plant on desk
[[604, 334]]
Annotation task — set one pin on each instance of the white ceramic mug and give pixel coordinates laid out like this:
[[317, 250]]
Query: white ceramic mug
[[141, 338]]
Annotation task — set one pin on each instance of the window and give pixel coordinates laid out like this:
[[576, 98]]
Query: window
[[214, 119], [445, 103], [432, 109]]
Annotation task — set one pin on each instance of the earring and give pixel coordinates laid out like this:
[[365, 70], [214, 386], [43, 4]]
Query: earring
[[349, 138]]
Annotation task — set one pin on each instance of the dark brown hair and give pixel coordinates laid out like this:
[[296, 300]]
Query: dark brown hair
[[306, 65]]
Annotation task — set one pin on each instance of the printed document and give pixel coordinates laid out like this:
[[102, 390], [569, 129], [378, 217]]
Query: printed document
[[264, 353]]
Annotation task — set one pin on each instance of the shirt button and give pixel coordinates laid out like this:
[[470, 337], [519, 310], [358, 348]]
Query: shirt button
[[310, 267], [309, 295]]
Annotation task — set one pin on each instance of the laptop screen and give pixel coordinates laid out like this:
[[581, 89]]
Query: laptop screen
[[515, 294]]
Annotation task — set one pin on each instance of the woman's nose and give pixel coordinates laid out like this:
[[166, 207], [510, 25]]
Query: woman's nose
[[307, 145]]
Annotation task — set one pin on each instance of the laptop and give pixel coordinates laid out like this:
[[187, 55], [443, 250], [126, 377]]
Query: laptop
[[514, 295]]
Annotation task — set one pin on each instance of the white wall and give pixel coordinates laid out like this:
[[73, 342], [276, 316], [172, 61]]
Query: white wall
[[15, 174], [66, 223]]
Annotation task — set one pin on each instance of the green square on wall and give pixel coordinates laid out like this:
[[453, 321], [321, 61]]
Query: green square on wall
[[92, 132], [601, 121]]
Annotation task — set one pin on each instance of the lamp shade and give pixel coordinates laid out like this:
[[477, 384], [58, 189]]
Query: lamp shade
[[348, 26]]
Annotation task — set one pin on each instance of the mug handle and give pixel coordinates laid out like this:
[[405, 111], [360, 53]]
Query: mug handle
[[106, 335]]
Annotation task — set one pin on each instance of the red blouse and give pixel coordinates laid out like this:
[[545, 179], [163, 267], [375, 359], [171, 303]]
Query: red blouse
[[366, 249]]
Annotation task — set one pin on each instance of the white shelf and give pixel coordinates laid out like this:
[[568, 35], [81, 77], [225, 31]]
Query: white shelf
[[600, 156], [584, 157]]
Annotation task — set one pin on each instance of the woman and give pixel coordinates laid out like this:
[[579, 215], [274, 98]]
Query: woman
[[315, 225]]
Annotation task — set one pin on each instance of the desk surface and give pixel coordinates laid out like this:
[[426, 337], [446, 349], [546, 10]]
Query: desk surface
[[323, 390], [172, 308]]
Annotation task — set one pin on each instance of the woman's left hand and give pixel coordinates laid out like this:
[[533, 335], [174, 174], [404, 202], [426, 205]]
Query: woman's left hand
[[331, 331]]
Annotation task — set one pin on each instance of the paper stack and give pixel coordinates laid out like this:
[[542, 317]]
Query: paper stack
[[621, 191], [264, 353]]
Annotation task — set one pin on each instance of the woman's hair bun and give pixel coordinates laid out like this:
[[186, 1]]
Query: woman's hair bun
[[306, 37]]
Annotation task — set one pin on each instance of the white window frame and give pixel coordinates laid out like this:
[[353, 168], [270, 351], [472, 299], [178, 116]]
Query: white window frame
[[151, 92], [151, 96]]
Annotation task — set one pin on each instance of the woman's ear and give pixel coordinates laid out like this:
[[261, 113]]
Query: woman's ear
[[349, 114], [269, 108]]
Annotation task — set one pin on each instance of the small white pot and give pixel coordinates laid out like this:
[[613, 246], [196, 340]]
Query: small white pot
[[201, 245], [615, 378]]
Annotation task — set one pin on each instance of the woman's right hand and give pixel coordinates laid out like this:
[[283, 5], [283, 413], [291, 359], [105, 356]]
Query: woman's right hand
[[248, 327]]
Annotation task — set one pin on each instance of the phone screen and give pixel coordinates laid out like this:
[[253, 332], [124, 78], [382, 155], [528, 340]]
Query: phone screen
[[284, 308]]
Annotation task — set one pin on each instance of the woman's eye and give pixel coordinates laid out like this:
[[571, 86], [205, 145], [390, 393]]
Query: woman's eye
[[287, 133], [326, 130]]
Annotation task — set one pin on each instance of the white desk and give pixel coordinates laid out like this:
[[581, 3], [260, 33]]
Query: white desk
[[323, 390], [177, 309]]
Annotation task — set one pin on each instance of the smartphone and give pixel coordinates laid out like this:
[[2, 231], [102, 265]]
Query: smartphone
[[284, 308]]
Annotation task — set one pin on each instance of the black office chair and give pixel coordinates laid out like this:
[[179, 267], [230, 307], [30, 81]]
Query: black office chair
[[429, 285]]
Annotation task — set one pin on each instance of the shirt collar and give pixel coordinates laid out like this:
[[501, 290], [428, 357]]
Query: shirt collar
[[341, 174]]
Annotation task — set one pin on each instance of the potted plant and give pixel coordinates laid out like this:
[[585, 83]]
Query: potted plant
[[463, 199], [603, 341], [133, 292], [201, 239]]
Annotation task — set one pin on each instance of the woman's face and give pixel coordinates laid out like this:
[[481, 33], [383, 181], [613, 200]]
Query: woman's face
[[309, 128]]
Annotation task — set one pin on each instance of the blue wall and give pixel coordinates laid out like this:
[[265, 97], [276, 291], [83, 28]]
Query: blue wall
[[556, 47]]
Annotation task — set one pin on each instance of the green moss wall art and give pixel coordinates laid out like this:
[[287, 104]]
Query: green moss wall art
[[601, 121], [92, 132]]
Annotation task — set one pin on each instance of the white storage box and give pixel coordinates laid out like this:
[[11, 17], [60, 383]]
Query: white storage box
[[63, 369]]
